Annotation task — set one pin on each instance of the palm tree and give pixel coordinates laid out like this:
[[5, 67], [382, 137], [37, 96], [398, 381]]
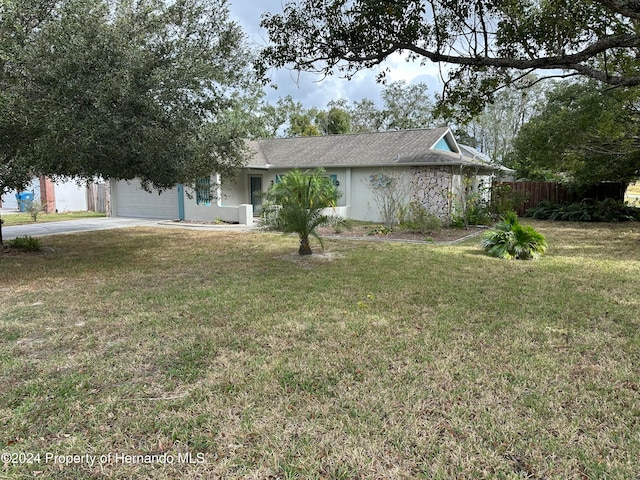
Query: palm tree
[[301, 197]]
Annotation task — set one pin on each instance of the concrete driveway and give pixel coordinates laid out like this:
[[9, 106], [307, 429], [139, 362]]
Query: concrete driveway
[[73, 226], [105, 223]]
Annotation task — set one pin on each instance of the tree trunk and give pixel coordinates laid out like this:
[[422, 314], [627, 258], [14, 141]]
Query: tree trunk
[[305, 247]]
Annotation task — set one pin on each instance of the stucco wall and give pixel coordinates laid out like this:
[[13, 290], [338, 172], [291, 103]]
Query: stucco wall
[[434, 187], [71, 197], [363, 203], [342, 176], [235, 192]]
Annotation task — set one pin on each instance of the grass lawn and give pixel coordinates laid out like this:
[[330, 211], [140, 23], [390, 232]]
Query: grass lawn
[[25, 218], [374, 360]]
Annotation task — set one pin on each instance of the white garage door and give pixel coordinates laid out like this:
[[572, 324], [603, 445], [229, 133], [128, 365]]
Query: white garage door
[[129, 199]]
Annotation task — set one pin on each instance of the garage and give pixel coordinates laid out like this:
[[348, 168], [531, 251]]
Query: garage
[[129, 199]]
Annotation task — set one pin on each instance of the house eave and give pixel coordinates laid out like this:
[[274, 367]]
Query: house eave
[[378, 165]]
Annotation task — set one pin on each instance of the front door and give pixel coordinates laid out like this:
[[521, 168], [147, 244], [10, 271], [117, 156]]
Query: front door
[[256, 193]]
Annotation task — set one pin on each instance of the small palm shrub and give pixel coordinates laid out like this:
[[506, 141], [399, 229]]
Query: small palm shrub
[[296, 203], [26, 243], [509, 239]]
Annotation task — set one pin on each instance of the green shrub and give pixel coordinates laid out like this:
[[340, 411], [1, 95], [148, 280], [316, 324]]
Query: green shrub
[[505, 199], [380, 230], [339, 224], [26, 243], [33, 208], [470, 206], [419, 219], [588, 210], [271, 220], [509, 239], [475, 213]]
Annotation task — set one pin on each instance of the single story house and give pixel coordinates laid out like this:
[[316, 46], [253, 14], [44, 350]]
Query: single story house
[[430, 159]]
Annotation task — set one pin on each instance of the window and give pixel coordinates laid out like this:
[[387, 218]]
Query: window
[[203, 191], [443, 145]]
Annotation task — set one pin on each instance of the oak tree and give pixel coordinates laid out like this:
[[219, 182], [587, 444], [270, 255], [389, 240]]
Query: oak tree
[[122, 89], [582, 136]]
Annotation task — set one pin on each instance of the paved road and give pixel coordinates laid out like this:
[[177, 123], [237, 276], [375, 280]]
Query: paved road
[[102, 223]]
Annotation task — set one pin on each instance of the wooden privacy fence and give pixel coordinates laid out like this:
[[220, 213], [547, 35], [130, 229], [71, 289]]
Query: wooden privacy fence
[[536, 192], [96, 197]]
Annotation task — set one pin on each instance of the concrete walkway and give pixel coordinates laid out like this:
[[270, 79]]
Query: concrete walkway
[[105, 223]]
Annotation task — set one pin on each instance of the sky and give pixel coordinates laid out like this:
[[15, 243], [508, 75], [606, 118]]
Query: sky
[[310, 89]]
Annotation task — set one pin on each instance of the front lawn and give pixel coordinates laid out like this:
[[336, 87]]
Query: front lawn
[[140, 347], [25, 218]]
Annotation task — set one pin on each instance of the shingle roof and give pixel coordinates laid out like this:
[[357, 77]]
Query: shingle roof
[[476, 155], [403, 147]]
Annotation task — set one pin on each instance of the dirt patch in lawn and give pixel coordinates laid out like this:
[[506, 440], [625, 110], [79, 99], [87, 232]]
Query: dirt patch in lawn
[[308, 261], [445, 235]]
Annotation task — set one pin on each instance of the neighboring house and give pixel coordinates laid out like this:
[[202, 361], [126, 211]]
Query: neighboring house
[[431, 160], [63, 196]]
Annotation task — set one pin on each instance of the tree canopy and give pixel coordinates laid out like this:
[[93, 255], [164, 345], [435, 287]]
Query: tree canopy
[[582, 136], [121, 89], [494, 130], [403, 106], [487, 43]]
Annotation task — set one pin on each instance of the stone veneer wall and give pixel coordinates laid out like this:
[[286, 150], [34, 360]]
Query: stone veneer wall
[[431, 186]]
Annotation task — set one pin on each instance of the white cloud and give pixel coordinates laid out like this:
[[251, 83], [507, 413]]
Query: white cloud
[[409, 70], [314, 90]]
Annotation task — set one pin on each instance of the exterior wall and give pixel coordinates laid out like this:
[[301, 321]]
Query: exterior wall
[[64, 196], [363, 205], [466, 183], [71, 197], [342, 174], [457, 191], [433, 188], [241, 213], [129, 199], [482, 183], [356, 200], [235, 192]]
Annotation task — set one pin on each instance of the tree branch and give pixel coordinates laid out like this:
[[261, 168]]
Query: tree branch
[[628, 8]]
